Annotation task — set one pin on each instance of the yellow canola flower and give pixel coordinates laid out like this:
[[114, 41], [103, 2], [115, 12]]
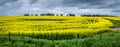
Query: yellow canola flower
[[37, 25]]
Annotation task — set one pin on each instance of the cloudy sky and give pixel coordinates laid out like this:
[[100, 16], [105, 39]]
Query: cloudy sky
[[20, 7]]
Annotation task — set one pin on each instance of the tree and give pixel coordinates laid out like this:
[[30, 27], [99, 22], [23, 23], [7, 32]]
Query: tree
[[71, 15], [42, 14], [26, 15], [61, 14]]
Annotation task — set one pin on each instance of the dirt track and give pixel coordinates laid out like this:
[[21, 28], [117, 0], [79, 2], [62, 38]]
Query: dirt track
[[116, 29]]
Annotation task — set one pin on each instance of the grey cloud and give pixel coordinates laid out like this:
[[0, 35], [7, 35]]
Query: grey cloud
[[19, 7], [116, 10], [82, 2], [92, 3], [2, 2]]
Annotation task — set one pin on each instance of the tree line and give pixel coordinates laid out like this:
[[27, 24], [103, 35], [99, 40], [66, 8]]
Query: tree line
[[97, 15], [84, 15], [49, 14]]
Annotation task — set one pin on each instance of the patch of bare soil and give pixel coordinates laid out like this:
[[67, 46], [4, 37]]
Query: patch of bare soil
[[116, 29]]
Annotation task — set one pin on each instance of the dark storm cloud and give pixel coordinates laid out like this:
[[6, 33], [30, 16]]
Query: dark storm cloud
[[116, 10], [19, 7], [2, 2], [113, 6], [33, 1], [82, 2], [92, 3]]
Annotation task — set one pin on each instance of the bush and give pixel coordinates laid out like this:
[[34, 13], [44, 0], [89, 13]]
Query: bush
[[107, 42]]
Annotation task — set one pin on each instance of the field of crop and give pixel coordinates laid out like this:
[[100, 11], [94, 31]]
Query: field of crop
[[59, 31], [114, 18], [51, 27], [115, 21]]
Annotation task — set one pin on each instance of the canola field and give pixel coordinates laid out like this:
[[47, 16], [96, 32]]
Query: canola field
[[53, 27]]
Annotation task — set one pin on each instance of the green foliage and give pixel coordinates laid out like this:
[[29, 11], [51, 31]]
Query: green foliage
[[22, 41], [116, 23], [107, 42]]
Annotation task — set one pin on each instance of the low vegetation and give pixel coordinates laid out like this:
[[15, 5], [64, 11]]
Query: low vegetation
[[55, 28], [59, 31], [109, 39]]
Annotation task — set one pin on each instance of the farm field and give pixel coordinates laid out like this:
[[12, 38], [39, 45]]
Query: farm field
[[57, 29]]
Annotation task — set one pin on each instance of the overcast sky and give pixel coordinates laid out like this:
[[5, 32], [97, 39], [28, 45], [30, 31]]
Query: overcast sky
[[20, 7]]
